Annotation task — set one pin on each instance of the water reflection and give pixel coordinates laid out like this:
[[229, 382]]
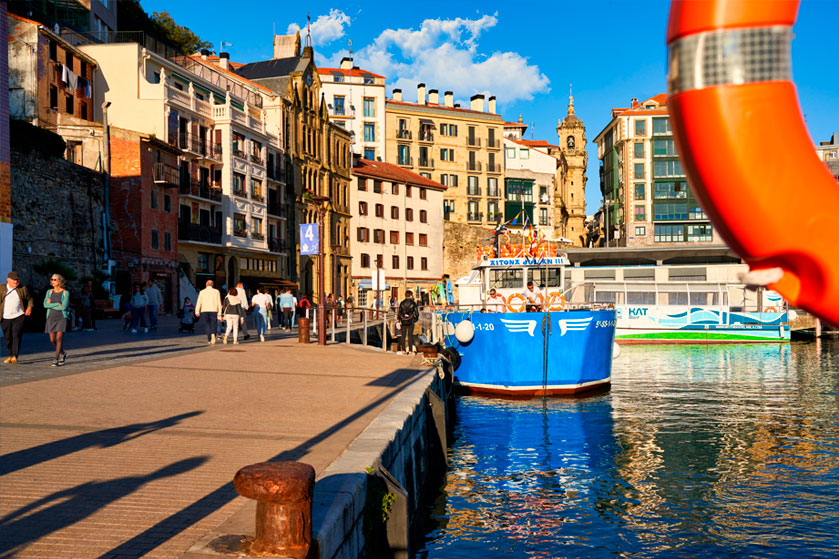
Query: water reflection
[[710, 451]]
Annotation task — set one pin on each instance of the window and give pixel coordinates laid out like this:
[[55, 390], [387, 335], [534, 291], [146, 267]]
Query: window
[[53, 97], [369, 107], [423, 240], [695, 211], [424, 263], [380, 210], [639, 170], [69, 104], [640, 213], [395, 262], [239, 226], [362, 184], [53, 51], [640, 231], [380, 261], [410, 264], [256, 190], [409, 238], [492, 187], [338, 104], [543, 216], [394, 212], [452, 180], [369, 132], [365, 260], [672, 189], [675, 211], [661, 126], [155, 240], [238, 184], [506, 278], [700, 233], [404, 155], [362, 208], [640, 191], [448, 208], [664, 147], [363, 234], [202, 263], [256, 228], [669, 233], [423, 194], [409, 214], [394, 237], [423, 216], [639, 150], [379, 236], [510, 153], [444, 179], [446, 154], [167, 203], [524, 153], [640, 127], [377, 186], [669, 168], [370, 154], [408, 190], [154, 199], [492, 212]]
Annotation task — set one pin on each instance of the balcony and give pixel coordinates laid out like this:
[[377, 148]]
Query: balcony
[[403, 134], [256, 196], [196, 232], [257, 236], [240, 232], [493, 167], [238, 153], [426, 136], [473, 166], [239, 192], [190, 186], [426, 163], [493, 143], [214, 151], [166, 175], [472, 141], [405, 161], [473, 190], [256, 158], [473, 216], [493, 191], [494, 217]]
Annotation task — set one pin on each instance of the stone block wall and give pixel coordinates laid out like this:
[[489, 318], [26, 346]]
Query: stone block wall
[[460, 244], [57, 210]]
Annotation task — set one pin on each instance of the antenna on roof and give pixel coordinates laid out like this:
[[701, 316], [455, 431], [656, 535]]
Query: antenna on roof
[[349, 46], [221, 46], [308, 30], [532, 127]]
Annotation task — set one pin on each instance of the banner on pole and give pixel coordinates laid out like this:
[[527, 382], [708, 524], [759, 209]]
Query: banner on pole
[[308, 238]]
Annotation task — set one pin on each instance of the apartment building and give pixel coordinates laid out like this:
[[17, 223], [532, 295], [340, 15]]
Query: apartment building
[[320, 158], [397, 226], [48, 77], [94, 18], [355, 99], [828, 151], [227, 130], [646, 194], [460, 148], [532, 183]]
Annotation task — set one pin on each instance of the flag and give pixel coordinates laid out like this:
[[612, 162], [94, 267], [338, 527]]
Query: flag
[[515, 220]]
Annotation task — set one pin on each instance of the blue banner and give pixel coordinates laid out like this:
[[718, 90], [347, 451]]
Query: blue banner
[[308, 238]]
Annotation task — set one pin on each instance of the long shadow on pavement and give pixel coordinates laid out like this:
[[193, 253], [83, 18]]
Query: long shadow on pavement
[[66, 507], [21, 459], [174, 524]]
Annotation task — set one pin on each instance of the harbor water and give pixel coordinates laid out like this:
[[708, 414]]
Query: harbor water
[[696, 451]]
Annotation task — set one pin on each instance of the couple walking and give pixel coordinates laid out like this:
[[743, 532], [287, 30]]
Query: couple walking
[[233, 311]]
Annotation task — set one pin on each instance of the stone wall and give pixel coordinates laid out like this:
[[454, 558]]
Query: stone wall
[[57, 210], [460, 244]]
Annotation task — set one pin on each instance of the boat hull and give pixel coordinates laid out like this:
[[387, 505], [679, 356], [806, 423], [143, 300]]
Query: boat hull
[[508, 354]]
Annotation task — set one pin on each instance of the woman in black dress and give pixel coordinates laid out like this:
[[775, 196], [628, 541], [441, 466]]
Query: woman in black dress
[[57, 303]]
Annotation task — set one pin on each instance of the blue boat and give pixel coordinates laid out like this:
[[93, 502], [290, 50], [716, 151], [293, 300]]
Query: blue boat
[[535, 353]]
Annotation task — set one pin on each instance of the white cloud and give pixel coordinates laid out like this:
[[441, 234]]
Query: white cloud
[[325, 29], [445, 55]]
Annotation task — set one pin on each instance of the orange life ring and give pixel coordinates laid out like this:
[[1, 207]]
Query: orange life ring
[[770, 309], [509, 302], [738, 128], [556, 302]]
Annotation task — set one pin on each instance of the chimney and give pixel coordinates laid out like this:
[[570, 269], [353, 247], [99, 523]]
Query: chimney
[[492, 104], [224, 60], [204, 54], [397, 94], [433, 97], [449, 99], [633, 103], [346, 63], [457, 105], [478, 102], [421, 94]]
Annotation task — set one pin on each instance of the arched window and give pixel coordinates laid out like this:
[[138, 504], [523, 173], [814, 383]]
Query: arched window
[[570, 142]]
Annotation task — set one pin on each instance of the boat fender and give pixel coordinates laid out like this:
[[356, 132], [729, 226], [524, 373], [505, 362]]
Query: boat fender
[[519, 297], [616, 350], [465, 331], [452, 356], [792, 315]]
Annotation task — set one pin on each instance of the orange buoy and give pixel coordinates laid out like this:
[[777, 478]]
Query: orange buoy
[[745, 148], [556, 302], [516, 296]]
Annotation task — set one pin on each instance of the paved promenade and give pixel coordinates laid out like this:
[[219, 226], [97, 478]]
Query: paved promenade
[[136, 460]]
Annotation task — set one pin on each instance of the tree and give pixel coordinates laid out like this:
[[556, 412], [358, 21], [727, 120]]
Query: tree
[[179, 36]]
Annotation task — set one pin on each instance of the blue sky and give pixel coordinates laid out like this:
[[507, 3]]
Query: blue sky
[[524, 53]]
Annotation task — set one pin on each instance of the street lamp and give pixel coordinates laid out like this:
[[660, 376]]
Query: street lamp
[[321, 203]]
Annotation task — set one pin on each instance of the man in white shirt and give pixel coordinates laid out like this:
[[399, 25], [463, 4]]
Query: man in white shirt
[[260, 303], [209, 303], [243, 329], [533, 296], [155, 300], [15, 305], [495, 302]]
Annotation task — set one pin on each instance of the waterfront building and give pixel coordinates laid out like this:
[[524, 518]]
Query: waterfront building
[[828, 151], [95, 19], [645, 190], [320, 157], [397, 226], [355, 99], [458, 147], [229, 132]]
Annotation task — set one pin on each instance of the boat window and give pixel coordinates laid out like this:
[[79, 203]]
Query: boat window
[[506, 279], [546, 278]]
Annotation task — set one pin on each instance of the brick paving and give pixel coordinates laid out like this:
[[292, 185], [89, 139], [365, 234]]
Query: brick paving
[[137, 460]]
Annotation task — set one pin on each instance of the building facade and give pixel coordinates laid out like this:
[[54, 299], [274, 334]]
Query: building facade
[[459, 148], [355, 99], [828, 151], [645, 190], [571, 209], [532, 184], [397, 226]]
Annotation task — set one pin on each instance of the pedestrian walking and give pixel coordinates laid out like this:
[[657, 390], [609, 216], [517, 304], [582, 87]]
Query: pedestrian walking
[[305, 305], [209, 303], [16, 303], [273, 297], [243, 297], [340, 310], [261, 304], [155, 298], [86, 307], [57, 302], [350, 307], [294, 309], [187, 316], [234, 313], [286, 305], [139, 302], [408, 315]]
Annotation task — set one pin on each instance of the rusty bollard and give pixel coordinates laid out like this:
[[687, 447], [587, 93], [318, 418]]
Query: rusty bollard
[[303, 330], [283, 492]]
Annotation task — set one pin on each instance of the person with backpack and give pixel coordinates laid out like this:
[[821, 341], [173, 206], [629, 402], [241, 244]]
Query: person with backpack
[[408, 316]]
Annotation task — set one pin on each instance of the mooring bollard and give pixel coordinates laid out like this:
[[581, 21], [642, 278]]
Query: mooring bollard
[[283, 492], [303, 330]]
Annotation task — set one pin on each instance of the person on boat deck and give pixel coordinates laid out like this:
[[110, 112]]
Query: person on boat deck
[[495, 302], [532, 294]]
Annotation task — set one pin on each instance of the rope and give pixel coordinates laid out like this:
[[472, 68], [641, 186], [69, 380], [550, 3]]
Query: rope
[[546, 334]]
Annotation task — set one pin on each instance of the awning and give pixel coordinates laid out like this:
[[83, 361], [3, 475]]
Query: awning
[[368, 284], [252, 282], [427, 122]]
